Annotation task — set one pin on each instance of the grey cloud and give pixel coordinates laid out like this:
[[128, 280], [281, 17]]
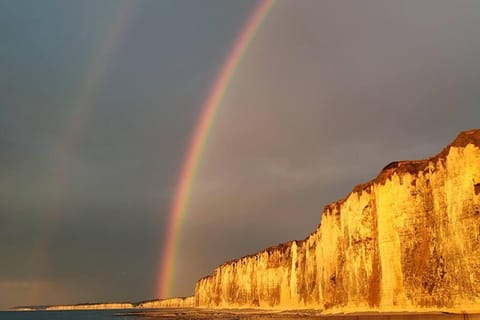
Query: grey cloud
[[328, 94]]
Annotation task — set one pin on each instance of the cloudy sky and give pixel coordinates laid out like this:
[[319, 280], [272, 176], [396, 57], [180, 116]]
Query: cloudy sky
[[98, 100]]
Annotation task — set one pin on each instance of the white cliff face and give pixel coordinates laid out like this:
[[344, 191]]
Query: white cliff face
[[92, 306], [185, 302], [407, 240]]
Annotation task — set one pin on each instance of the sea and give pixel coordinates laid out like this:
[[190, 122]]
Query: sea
[[68, 315]]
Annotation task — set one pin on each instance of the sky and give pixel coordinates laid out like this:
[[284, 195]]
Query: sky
[[99, 100]]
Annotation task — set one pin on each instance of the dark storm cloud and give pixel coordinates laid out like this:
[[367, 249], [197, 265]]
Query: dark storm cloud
[[97, 232], [328, 93]]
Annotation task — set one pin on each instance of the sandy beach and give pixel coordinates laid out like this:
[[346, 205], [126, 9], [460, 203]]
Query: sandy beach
[[194, 314]]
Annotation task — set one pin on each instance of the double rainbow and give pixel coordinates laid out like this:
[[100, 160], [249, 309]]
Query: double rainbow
[[198, 141]]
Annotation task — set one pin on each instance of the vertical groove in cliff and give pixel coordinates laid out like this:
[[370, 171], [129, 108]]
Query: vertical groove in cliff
[[375, 280]]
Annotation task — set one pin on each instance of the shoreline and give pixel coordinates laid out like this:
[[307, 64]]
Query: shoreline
[[200, 313]]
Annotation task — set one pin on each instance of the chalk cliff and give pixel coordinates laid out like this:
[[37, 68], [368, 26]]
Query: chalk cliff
[[407, 240], [92, 306], [183, 302]]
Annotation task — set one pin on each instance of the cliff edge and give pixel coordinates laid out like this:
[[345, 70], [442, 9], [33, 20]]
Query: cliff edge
[[408, 240]]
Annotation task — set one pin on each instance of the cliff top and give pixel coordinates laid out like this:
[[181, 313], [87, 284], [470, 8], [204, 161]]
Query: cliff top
[[466, 137], [414, 166], [160, 300]]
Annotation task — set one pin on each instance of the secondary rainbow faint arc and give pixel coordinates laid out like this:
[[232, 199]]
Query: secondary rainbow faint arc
[[199, 139], [82, 106]]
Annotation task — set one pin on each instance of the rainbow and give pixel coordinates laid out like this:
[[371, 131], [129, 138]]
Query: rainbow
[[198, 141], [82, 106]]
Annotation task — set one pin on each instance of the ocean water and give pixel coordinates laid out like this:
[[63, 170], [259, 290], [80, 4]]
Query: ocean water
[[67, 315]]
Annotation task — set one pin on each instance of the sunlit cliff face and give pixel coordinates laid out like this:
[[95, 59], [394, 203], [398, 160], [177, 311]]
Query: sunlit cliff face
[[407, 240], [93, 306], [169, 303], [184, 302]]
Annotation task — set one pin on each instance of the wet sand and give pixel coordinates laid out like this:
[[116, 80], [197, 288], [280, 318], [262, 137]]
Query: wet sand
[[203, 314]]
